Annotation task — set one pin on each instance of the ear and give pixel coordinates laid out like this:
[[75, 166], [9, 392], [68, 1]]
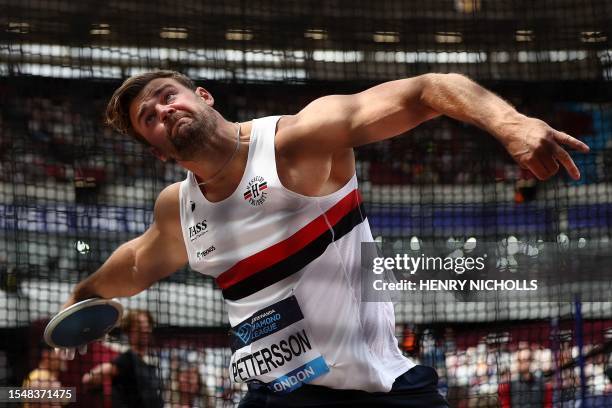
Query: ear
[[155, 152], [205, 95]]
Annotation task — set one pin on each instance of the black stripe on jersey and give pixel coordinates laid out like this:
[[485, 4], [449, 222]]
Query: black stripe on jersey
[[296, 262]]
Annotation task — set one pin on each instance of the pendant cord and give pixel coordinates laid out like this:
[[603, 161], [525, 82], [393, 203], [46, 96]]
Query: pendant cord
[[218, 173]]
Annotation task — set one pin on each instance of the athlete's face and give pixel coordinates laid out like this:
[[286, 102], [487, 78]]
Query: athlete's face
[[176, 121]]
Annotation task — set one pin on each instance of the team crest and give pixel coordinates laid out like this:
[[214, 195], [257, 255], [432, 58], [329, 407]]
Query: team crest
[[255, 192]]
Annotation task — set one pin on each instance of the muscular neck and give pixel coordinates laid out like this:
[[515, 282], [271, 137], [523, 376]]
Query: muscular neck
[[225, 183]]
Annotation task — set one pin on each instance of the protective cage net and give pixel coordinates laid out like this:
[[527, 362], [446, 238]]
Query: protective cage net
[[72, 190]]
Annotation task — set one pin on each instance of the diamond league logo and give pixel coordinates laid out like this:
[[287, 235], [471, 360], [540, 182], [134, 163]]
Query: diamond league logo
[[244, 332]]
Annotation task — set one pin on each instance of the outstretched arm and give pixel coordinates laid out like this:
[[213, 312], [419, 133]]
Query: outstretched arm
[[392, 108], [139, 263], [531, 142]]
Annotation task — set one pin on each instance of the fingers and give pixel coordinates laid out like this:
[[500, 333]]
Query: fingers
[[66, 353], [563, 156], [83, 349], [566, 161], [550, 164], [538, 170], [547, 164], [567, 140]]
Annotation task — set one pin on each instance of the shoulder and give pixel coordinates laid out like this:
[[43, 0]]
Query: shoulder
[[295, 135], [40, 374], [167, 207], [168, 200], [40, 378], [319, 128], [307, 159], [285, 128]]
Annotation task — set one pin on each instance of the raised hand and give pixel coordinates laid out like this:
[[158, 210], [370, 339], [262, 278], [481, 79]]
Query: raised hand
[[536, 146]]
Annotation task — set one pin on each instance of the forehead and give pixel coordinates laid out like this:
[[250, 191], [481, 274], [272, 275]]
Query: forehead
[[148, 92], [524, 355], [143, 318]]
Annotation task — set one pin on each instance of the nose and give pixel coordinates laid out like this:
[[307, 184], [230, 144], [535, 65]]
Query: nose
[[164, 112]]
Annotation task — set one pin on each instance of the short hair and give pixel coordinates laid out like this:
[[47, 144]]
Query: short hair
[[131, 316], [118, 108]]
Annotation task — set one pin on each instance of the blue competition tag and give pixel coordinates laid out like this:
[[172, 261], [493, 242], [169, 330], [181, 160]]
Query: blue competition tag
[[265, 322], [273, 347]]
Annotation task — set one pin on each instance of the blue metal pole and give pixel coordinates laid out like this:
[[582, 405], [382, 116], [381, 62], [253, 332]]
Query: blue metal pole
[[580, 344], [556, 349]]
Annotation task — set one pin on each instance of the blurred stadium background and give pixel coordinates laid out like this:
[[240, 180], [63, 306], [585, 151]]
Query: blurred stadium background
[[71, 190]]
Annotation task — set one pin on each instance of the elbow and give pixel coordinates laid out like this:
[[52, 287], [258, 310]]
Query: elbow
[[431, 86], [449, 76], [436, 82], [440, 90], [142, 279], [433, 89]]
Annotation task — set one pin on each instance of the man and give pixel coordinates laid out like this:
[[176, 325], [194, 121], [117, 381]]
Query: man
[[527, 389], [186, 388], [134, 382], [46, 374], [270, 209]]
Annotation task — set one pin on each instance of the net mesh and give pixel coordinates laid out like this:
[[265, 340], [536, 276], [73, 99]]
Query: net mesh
[[72, 190]]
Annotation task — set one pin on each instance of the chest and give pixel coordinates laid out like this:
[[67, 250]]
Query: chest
[[315, 175], [260, 214]]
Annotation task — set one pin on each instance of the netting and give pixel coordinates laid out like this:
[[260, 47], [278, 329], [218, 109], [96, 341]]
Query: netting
[[72, 190]]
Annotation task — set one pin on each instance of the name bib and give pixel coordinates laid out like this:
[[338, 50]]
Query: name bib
[[273, 347]]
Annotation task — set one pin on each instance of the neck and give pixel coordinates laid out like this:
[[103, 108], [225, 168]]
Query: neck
[[227, 161], [217, 185]]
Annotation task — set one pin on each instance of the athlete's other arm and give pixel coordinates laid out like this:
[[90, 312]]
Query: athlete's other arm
[[144, 260], [334, 122]]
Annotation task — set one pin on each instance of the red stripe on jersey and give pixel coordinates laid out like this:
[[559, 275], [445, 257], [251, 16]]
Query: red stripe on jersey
[[281, 250]]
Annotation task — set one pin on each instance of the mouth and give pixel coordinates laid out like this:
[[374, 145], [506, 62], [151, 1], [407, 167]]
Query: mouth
[[177, 125]]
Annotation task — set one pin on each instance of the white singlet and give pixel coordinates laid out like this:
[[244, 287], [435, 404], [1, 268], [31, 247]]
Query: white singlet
[[289, 269]]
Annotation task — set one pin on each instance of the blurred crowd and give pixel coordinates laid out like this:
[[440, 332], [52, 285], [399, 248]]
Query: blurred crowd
[[64, 139], [497, 372], [136, 370], [133, 371]]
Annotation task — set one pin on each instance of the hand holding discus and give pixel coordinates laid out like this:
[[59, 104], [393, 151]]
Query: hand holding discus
[[81, 323]]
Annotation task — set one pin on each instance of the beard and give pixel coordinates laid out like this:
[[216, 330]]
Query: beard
[[193, 138]]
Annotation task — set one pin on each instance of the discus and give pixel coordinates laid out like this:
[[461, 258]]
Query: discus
[[83, 322]]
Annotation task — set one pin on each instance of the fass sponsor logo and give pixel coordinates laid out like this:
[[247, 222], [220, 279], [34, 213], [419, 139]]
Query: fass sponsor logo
[[197, 230], [202, 254]]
